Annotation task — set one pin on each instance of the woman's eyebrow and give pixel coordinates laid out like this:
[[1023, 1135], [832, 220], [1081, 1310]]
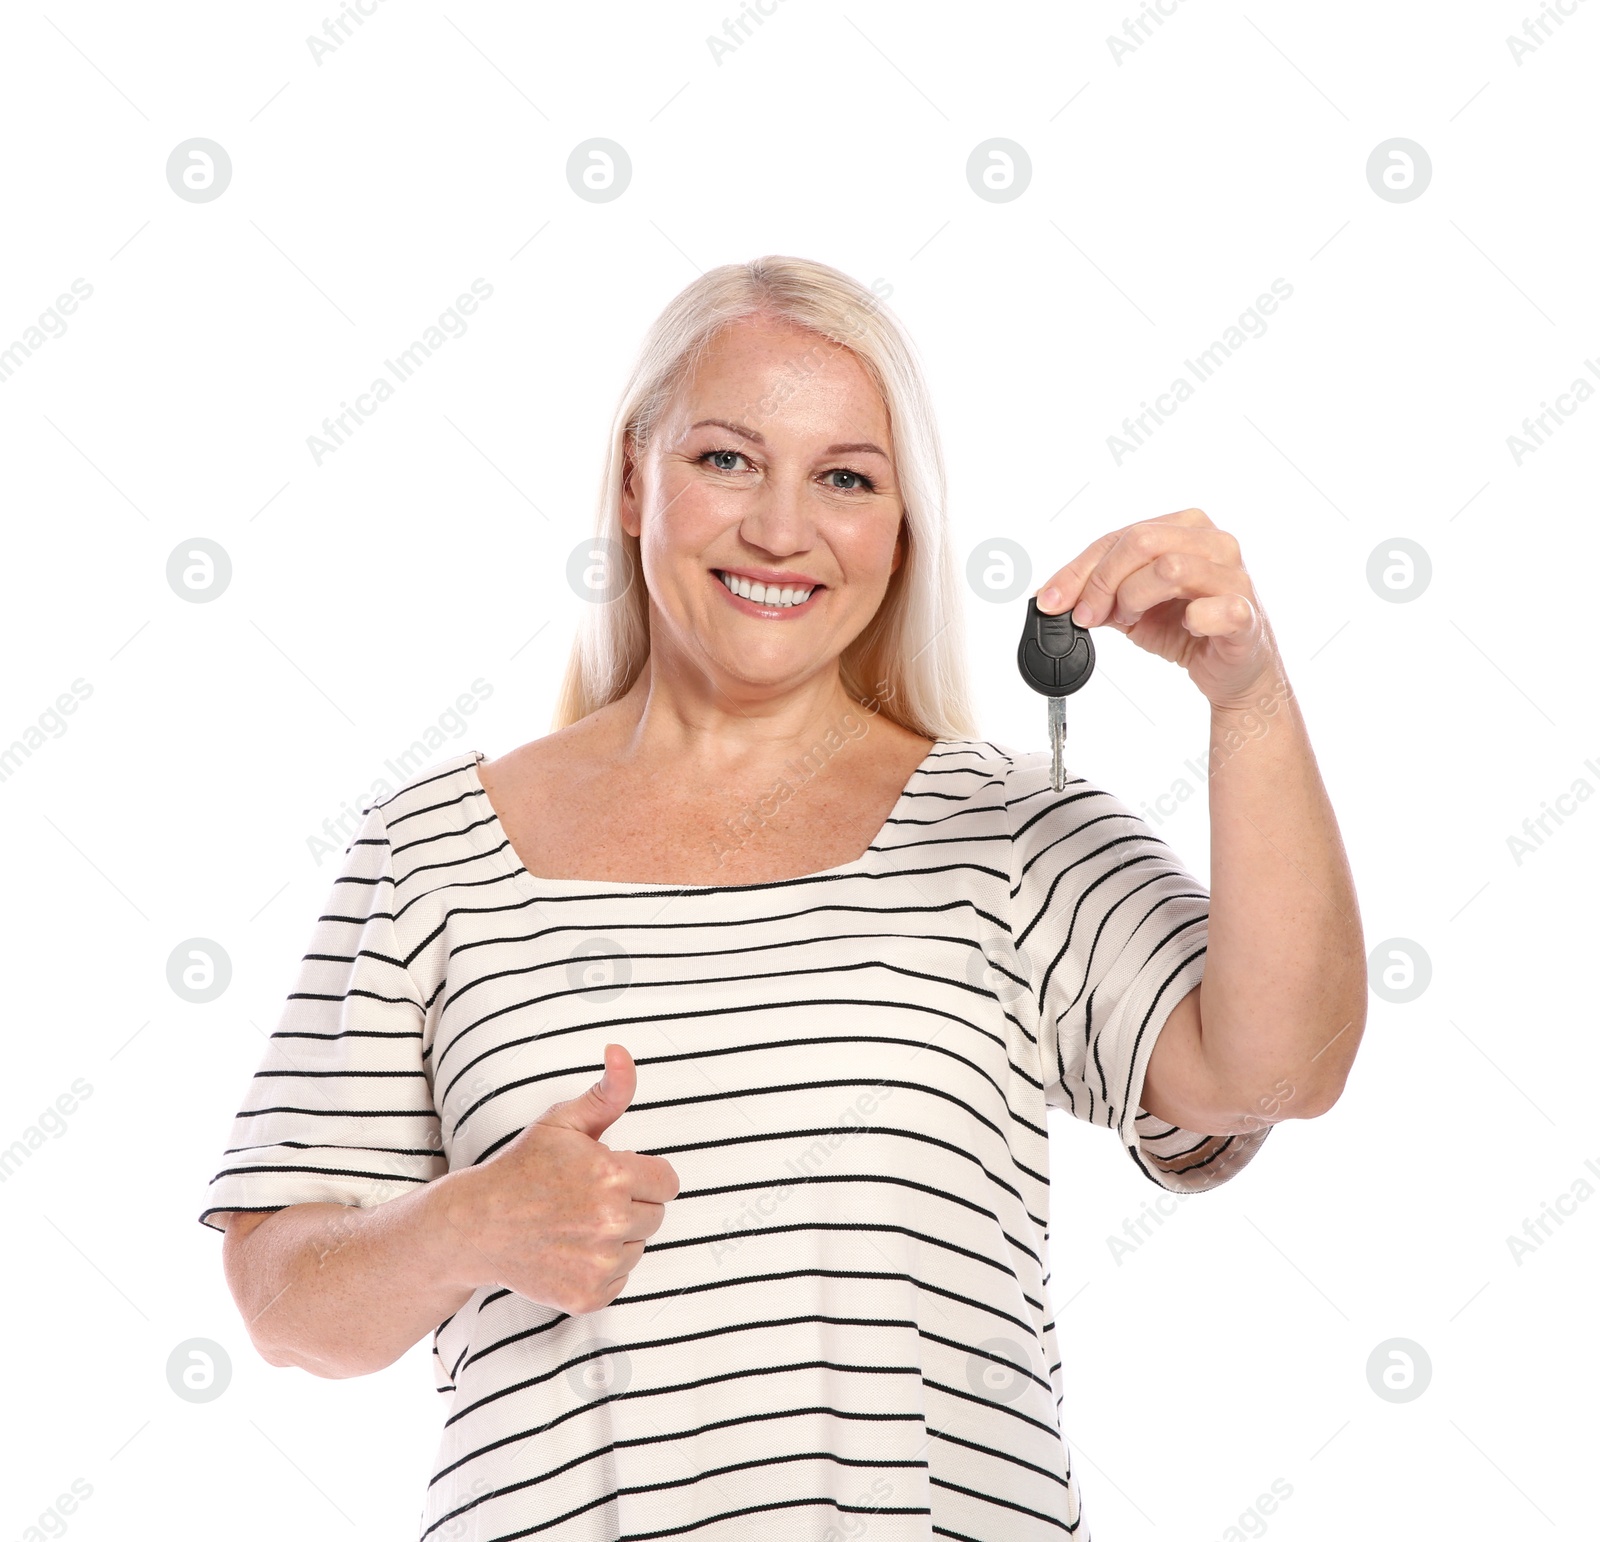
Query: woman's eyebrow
[[755, 438]]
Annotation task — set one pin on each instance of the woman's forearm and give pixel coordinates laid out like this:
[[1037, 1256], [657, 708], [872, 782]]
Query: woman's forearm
[[1283, 999], [343, 1291]]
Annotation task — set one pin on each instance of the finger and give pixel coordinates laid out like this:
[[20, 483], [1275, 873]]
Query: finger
[[1098, 570], [1137, 547], [1232, 616], [619, 1280], [1173, 575], [650, 1178], [645, 1220], [1064, 586]]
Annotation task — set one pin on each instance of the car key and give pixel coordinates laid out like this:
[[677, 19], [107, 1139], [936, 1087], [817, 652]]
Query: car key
[[1055, 656]]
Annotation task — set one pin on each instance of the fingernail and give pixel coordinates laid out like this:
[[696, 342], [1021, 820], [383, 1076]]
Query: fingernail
[[1049, 598]]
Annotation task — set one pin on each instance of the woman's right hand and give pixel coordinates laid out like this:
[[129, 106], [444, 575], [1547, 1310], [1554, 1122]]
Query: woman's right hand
[[557, 1215]]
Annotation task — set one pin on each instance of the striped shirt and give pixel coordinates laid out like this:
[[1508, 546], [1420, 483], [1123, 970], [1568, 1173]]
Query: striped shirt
[[844, 1320]]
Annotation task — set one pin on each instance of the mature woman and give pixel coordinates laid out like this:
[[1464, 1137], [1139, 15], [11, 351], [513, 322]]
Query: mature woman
[[685, 1071]]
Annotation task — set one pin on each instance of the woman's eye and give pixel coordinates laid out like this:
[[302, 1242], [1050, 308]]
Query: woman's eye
[[722, 460]]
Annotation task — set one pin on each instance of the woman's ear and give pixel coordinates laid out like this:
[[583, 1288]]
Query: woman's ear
[[630, 495], [902, 537]]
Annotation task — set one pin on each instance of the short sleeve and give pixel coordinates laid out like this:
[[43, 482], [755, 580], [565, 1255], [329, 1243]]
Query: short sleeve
[[1111, 930], [341, 1108]]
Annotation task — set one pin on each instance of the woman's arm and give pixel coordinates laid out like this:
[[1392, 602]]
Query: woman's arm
[[1273, 1028], [341, 1290], [1283, 1002], [555, 1215], [1285, 989]]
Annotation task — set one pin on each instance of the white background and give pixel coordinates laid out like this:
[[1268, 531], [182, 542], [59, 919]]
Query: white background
[[1168, 190]]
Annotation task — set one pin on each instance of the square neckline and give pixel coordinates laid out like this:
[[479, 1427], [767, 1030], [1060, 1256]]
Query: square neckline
[[499, 844]]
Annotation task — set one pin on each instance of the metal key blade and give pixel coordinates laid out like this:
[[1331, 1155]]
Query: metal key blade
[[1058, 739]]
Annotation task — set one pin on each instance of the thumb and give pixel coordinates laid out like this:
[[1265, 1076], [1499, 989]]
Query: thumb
[[593, 1111]]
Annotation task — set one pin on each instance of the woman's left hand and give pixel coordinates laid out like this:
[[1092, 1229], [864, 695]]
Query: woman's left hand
[[1176, 586]]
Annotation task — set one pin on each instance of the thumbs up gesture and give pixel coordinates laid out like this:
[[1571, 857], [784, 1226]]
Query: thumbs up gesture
[[557, 1215]]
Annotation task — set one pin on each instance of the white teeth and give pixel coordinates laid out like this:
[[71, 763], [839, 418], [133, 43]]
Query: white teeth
[[765, 594]]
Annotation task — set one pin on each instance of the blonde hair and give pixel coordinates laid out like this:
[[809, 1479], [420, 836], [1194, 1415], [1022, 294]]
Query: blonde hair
[[909, 661]]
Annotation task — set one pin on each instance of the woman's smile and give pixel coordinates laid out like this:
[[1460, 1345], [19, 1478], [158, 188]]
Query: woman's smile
[[771, 596]]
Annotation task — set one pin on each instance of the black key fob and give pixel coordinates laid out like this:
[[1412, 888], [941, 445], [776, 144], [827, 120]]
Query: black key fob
[[1056, 655]]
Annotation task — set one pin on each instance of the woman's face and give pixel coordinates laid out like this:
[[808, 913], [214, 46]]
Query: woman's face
[[772, 466]]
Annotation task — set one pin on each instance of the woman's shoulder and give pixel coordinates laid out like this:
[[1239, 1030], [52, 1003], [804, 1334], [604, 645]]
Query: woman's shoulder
[[980, 762], [1016, 781], [448, 791], [551, 759]]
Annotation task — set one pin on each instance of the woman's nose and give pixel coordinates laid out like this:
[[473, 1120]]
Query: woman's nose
[[778, 518]]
